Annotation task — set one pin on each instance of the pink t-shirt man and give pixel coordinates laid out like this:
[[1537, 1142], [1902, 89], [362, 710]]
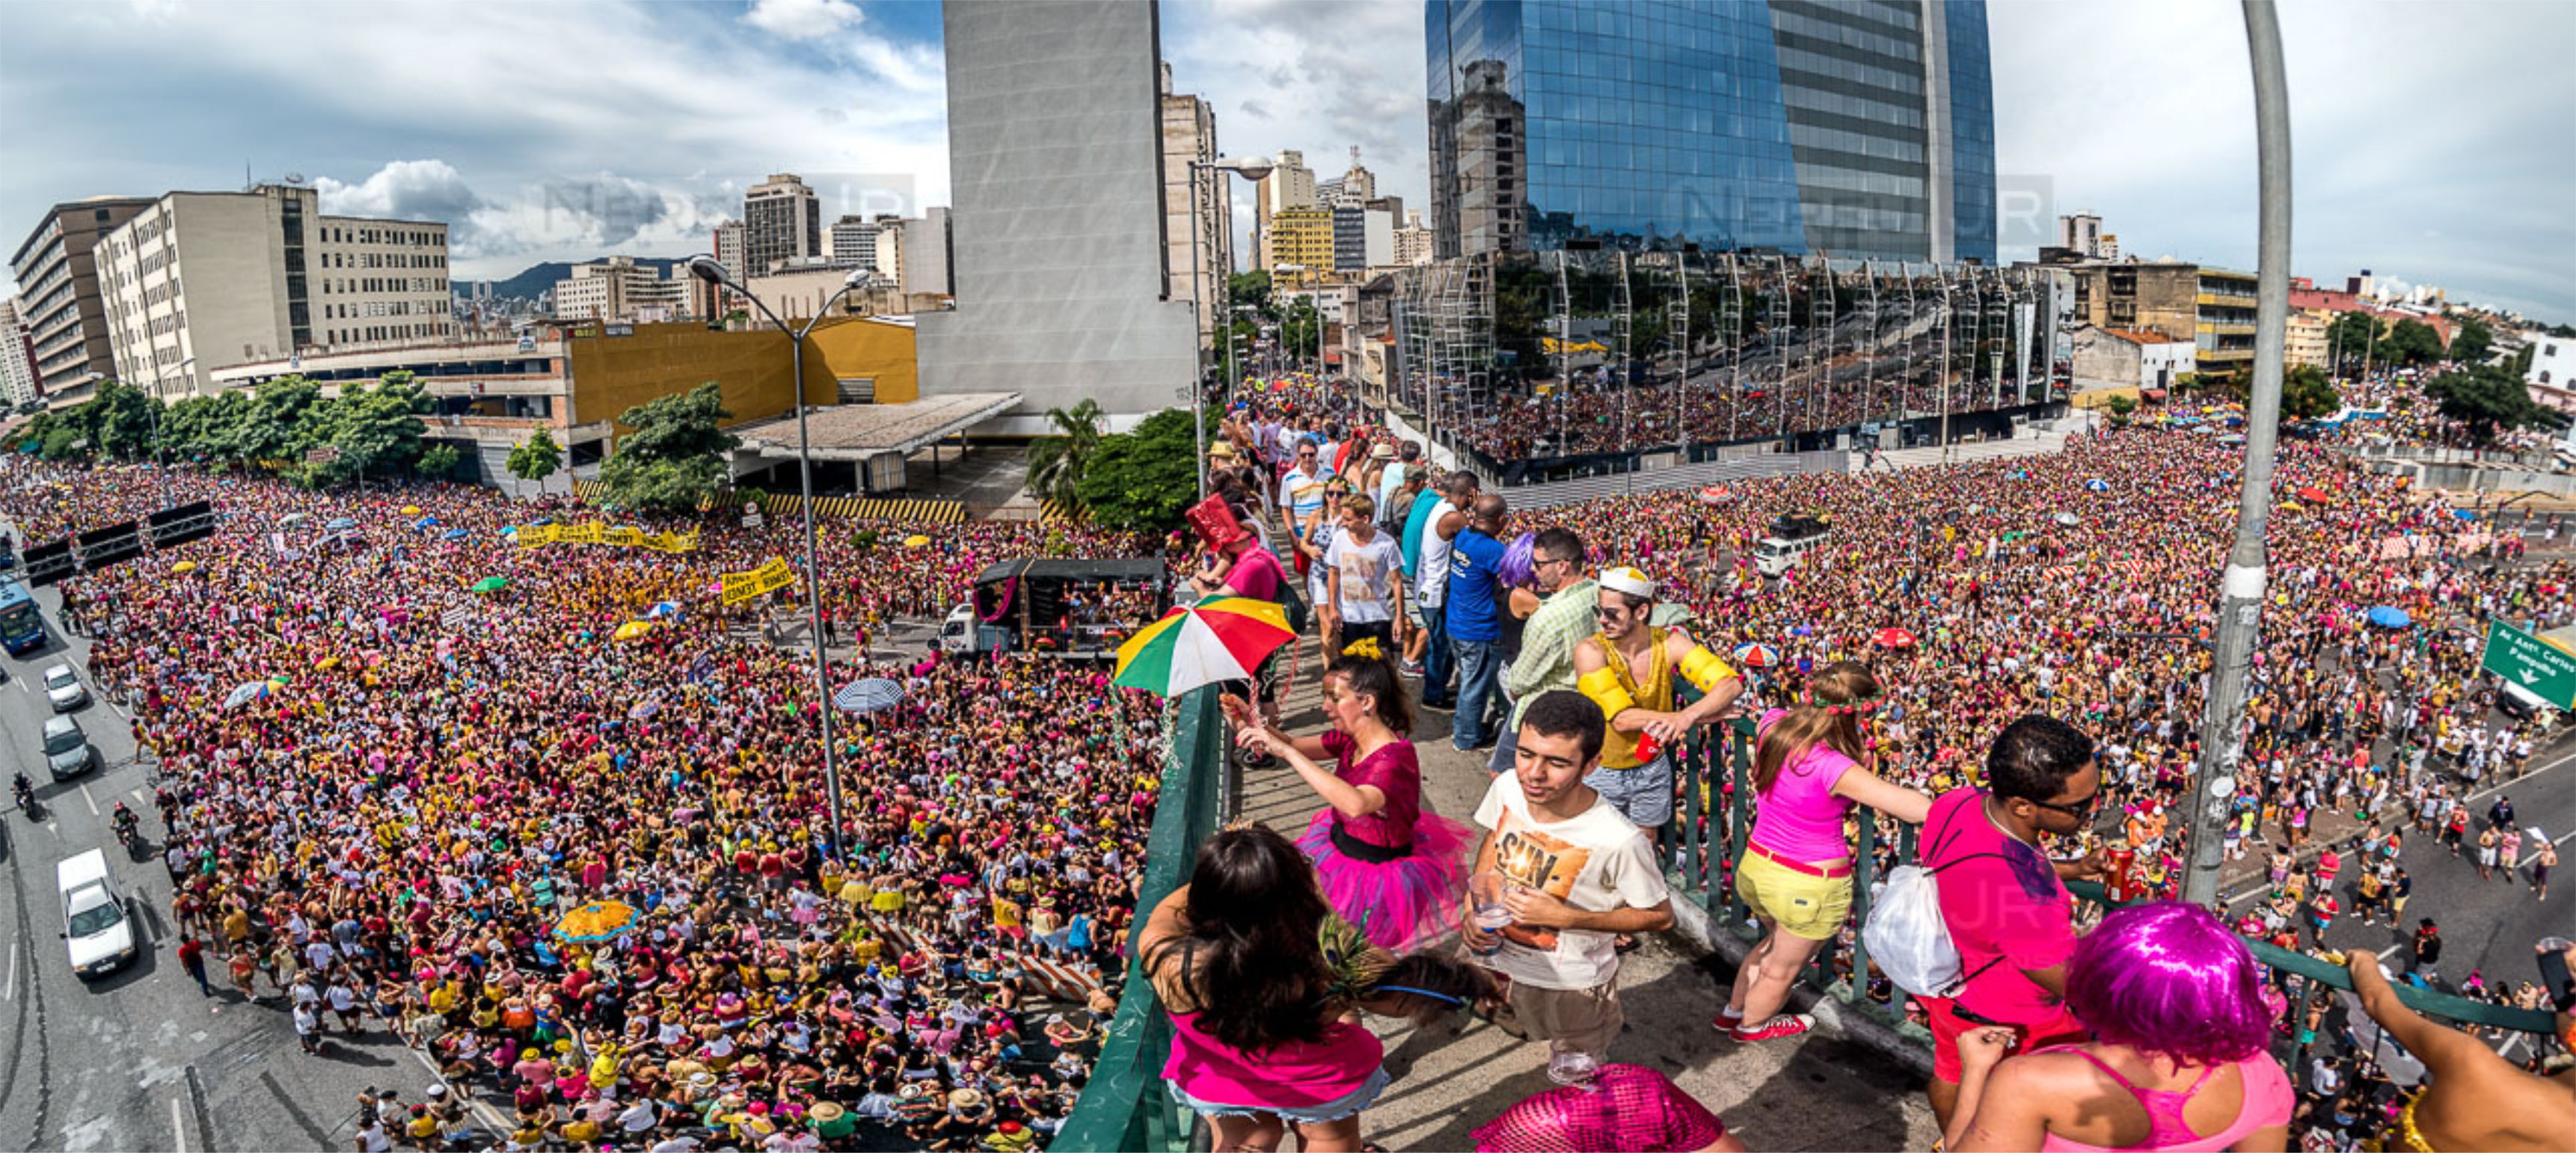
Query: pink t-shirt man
[[2006, 912], [1800, 818], [1256, 574]]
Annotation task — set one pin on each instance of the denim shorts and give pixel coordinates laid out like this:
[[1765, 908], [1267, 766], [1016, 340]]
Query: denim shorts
[[1347, 1105], [1643, 794]]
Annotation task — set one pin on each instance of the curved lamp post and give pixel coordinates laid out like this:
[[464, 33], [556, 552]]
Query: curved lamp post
[[706, 268], [1253, 168]]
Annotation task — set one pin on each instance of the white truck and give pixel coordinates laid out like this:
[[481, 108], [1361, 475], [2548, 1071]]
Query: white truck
[[1054, 608], [95, 926], [1792, 537]]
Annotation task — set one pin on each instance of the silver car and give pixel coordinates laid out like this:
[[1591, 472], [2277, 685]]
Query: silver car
[[64, 688]]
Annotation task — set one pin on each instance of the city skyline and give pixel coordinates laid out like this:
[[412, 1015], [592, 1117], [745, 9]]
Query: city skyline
[[568, 132]]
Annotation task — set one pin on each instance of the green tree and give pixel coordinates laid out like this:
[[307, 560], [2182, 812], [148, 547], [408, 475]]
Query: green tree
[[439, 461], [676, 454], [1251, 288], [373, 426], [2306, 394], [2410, 343], [1299, 324], [1145, 479], [538, 458], [2350, 333], [2472, 341], [120, 420], [2122, 404], [2488, 399], [58, 443], [1056, 463]]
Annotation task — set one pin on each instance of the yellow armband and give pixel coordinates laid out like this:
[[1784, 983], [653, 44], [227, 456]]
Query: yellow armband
[[1602, 685], [1704, 670]]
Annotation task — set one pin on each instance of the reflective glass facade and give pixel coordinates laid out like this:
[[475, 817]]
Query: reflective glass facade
[[1859, 128]]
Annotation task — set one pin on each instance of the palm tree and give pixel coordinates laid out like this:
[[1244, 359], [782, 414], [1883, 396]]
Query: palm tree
[[1056, 462]]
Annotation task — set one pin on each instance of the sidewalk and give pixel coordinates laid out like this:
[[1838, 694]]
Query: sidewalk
[[1818, 1092]]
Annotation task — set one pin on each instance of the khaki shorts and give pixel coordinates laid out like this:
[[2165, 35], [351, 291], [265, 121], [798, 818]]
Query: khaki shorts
[[1805, 906], [1585, 1019]]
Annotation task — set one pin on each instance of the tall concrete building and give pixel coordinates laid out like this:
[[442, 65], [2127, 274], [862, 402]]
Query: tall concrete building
[[1290, 185], [854, 242], [58, 291], [1860, 129], [200, 280], [617, 289], [2081, 233], [1355, 187], [17, 358], [782, 220], [929, 246], [1189, 134], [1054, 148]]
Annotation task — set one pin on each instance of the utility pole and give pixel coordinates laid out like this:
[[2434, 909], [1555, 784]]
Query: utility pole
[[2240, 613]]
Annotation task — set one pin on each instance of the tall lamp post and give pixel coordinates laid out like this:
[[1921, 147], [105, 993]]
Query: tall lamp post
[[160, 465], [1252, 168], [706, 268]]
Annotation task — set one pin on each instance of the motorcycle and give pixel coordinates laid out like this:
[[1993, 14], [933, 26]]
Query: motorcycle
[[26, 796]]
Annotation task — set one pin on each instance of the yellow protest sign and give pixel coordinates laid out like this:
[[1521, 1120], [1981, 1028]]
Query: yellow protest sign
[[579, 534], [536, 535], [742, 586], [623, 537]]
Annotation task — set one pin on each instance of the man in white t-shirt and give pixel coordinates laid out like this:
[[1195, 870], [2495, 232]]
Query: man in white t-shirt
[[1579, 874], [1366, 576]]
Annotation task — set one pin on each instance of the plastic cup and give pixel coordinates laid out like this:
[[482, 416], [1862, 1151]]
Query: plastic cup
[[1571, 1066], [1485, 892]]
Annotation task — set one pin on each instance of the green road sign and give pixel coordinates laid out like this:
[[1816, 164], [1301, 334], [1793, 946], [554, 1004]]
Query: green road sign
[[2548, 671]]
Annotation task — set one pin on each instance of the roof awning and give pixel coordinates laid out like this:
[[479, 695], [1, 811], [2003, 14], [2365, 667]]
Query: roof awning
[[859, 432]]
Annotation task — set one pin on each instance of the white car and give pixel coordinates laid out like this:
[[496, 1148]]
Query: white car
[[64, 688], [95, 926]]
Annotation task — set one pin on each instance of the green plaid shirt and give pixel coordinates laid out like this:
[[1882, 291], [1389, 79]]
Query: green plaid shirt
[[1547, 643]]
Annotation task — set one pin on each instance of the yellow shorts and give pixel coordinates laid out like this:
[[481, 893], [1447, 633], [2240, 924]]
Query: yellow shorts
[[1805, 906]]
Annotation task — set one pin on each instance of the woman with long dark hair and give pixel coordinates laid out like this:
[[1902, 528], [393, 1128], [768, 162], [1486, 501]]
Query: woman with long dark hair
[[1387, 864], [1264, 1033], [1813, 763]]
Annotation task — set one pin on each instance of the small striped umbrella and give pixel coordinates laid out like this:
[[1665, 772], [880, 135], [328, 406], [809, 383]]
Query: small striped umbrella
[[1757, 656], [1220, 640]]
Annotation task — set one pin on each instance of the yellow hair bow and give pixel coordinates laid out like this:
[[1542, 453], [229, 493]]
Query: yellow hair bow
[[1365, 647]]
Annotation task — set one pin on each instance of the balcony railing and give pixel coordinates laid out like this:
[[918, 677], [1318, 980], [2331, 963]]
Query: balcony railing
[[1709, 833], [1124, 1107]]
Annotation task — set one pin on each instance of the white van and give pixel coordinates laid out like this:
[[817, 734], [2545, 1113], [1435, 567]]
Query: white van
[[100, 934], [1786, 546]]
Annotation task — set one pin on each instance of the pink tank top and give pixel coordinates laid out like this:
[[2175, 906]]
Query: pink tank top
[[1800, 817], [2269, 1100], [1292, 1076]]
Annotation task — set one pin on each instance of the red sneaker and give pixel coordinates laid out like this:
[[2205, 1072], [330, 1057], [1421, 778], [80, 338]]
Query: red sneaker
[[1727, 1022], [1784, 1025]]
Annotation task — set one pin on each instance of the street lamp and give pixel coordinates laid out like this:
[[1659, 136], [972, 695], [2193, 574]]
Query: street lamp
[[1252, 168], [160, 465], [706, 268]]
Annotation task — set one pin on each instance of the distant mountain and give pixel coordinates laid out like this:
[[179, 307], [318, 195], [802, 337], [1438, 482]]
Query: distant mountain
[[528, 284]]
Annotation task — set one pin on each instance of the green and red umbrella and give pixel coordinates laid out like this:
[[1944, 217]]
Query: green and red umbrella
[[1198, 645]]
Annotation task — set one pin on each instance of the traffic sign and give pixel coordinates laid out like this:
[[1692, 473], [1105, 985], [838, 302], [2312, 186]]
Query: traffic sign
[[2547, 671]]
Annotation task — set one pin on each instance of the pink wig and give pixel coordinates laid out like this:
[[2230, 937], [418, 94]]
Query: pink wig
[[2169, 980]]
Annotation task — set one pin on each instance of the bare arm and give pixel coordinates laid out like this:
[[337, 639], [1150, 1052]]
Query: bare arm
[[2448, 1052], [1345, 798], [2001, 1106], [1533, 907], [1863, 784]]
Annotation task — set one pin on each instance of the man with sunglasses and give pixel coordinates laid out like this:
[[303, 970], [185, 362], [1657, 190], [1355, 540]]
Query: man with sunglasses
[[1630, 669], [2001, 898], [1301, 499]]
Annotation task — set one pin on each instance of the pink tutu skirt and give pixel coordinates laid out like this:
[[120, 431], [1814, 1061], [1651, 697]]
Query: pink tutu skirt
[[1403, 904]]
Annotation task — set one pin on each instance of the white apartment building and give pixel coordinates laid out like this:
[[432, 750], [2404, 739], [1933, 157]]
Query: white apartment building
[[17, 358], [616, 289], [2552, 377], [854, 242], [1412, 242], [201, 280], [782, 220]]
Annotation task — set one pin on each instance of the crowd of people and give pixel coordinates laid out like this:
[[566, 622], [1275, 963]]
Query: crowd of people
[[392, 786], [386, 832]]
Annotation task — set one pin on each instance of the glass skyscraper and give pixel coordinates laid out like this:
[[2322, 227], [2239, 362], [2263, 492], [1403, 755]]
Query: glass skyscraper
[[1847, 128]]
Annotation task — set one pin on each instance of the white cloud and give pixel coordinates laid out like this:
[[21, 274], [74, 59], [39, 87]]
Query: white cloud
[[403, 190], [802, 19]]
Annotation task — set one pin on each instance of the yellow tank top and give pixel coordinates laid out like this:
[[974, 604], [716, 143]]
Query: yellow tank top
[[1618, 749]]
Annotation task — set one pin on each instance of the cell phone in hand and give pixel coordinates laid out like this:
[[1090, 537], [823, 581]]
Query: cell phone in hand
[[2554, 976]]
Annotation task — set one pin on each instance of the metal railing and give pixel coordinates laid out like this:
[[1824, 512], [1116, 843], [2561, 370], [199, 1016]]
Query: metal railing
[[1713, 821], [1124, 1107]]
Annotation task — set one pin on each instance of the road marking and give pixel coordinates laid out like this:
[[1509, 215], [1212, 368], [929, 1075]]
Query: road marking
[[2383, 953], [137, 794], [92, 801], [178, 1128], [2569, 758], [9, 988]]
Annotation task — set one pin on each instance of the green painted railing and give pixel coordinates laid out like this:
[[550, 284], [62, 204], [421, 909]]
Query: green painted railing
[[1124, 1107], [1708, 836]]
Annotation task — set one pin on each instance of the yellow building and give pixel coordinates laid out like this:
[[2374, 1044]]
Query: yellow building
[[2223, 326], [2307, 342], [846, 361], [1300, 236]]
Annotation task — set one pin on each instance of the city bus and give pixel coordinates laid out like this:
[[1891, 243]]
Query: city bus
[[20, 628]]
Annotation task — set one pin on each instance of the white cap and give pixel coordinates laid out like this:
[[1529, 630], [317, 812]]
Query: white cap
[[1630, 581]]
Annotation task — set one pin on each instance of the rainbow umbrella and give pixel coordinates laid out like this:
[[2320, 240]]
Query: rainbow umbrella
[[596, 921], [1757, 656], [1198, 645]]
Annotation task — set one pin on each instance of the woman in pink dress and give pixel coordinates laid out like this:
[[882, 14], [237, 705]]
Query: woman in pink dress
[[2177, 1059], [1388, 865]]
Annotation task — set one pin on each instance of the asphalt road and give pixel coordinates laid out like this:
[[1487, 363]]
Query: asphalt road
[[139, 1059], [2486, 925]]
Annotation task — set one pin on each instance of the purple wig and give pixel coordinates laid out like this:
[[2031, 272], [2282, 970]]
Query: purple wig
[[1515, 569], [2169, 980]]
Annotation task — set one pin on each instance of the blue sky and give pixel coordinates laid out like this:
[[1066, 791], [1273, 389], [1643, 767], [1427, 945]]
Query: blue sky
[[2433, 138]]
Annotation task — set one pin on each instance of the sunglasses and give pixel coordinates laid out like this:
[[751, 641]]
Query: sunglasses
[[2077, 809]]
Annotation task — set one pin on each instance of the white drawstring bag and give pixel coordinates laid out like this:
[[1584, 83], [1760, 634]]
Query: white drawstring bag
[[1907, 938]]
